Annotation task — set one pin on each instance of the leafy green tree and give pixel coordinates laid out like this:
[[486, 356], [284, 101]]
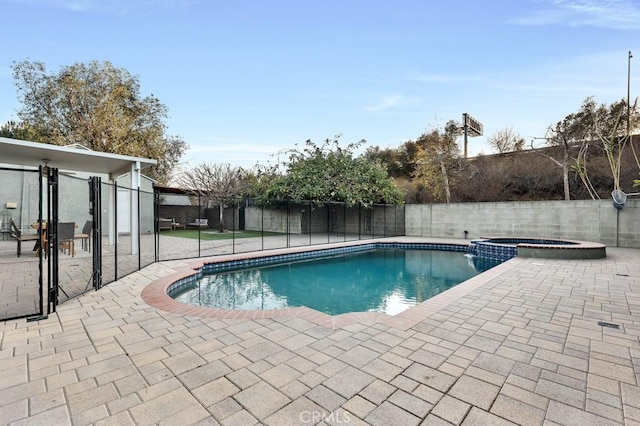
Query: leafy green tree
[[398, 161], [329, 172], [437, 159], [98, 106], [389, 157], [16, 130], [217, 184]]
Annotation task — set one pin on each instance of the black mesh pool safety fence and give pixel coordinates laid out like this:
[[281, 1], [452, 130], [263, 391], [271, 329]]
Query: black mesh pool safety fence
[[62, 235], [188, 226], [23, 272], [128, 240]]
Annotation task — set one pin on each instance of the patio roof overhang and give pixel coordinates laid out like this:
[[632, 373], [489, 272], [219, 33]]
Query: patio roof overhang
[[34, 154]]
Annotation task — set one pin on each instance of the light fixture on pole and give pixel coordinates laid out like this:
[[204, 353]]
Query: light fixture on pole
[[619, 197]]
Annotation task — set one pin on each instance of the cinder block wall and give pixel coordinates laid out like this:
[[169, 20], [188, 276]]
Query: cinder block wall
[[586, 220], [272, 220]]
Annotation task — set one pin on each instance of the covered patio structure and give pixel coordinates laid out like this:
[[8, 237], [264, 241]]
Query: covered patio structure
[[104, 194]]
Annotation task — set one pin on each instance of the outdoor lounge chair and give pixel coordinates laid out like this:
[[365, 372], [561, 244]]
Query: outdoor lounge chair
[[164, 224], [199, 223], [20, 237]]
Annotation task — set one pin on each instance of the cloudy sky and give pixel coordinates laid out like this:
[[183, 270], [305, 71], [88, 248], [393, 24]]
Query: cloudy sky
[[245, 79]]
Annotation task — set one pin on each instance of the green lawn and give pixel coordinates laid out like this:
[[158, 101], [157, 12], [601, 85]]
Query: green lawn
[[211, 234]]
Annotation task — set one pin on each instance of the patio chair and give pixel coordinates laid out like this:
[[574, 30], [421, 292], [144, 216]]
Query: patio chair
[[199, 223], [85, 235], [20, 237], [165, 224], [66, 242]]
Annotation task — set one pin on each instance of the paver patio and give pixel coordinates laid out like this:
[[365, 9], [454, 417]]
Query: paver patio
[[519, 344]]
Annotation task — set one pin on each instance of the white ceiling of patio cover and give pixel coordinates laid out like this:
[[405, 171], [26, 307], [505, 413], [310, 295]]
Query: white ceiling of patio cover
[[25, 153]]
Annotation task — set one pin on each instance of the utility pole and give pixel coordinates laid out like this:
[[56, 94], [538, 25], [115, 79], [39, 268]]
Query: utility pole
[[466, 133], [629, 94]]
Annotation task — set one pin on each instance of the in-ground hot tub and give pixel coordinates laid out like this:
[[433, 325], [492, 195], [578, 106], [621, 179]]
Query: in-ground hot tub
[[504, 248]]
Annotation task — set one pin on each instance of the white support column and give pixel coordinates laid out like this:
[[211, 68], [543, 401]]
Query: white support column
[[135, 208], [111, 212]]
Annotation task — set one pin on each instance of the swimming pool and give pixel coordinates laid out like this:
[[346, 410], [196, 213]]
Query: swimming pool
[[373, 279]]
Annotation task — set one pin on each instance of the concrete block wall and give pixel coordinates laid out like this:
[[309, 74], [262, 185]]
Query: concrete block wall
[[629, 224], [271, 220], [387, 220], [586, 220], [279, 220]]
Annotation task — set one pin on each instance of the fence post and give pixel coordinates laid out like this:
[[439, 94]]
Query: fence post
[[52, 236], [139, 231], [288, 223], [156, 233], [384, 224], [233, 225], [309, 219], [97, 231], [42, 249], [199, 210]]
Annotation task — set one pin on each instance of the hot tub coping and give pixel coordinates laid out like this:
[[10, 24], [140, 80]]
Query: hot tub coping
[[565, 249]]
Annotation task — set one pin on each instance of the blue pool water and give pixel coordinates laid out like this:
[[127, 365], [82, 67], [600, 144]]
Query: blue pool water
[[378, 280]]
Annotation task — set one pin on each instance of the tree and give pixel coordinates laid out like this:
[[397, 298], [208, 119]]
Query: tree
[[558, 136], [97, 106], [437, 156], [506, 140], [601, 126], [15, 130], [217, 184], [398, 161], [329, 172], [389, 157]]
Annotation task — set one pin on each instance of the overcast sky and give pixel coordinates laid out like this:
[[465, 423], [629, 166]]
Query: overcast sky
[[244, 79]]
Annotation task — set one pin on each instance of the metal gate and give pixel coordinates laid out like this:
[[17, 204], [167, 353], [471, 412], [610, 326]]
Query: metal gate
[[74, 249], [61, 216], [21, 267], [50, 245]]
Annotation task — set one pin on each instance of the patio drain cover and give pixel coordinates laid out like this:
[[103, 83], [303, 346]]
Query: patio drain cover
[[608, 324]]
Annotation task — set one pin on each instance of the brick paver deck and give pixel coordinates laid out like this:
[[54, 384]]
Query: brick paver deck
[[520, 344]]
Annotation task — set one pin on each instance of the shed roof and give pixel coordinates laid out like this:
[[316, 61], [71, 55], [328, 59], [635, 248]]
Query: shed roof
[[34, 154]]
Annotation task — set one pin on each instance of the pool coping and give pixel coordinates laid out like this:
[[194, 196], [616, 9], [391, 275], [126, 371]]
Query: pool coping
[[155, 294], [536, 247]]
